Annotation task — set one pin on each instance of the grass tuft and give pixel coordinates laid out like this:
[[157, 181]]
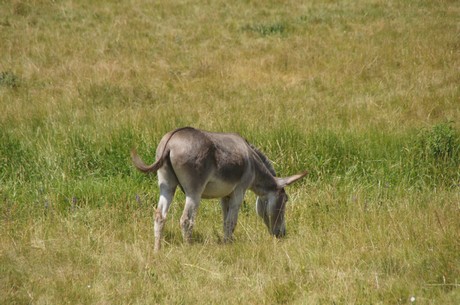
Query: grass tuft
[[9, 80], [266, 29]]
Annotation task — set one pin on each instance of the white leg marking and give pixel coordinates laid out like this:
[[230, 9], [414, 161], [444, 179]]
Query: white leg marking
[[168, 185]]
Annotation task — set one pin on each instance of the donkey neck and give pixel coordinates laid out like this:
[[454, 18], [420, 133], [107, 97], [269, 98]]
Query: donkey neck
[[264, 178]]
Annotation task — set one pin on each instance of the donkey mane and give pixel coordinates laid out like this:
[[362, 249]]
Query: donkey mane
[[268, 164]]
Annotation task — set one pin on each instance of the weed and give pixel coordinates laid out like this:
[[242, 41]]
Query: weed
[[266, 29], [442, 142], [9, 80], [434, 155]]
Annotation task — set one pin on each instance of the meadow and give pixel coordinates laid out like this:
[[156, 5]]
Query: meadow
[[364, 94]]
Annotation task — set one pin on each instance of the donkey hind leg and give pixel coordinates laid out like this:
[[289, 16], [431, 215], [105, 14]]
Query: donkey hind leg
[[167, 190], [230, 208], [187, 219], [166, 196]]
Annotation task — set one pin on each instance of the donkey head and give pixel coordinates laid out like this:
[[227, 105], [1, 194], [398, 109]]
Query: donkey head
[[272, 206]]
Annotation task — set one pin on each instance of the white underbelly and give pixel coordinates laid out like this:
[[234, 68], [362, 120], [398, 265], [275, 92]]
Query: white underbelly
[[217, 189]]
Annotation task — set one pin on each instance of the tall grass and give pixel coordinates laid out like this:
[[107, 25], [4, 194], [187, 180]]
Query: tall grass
[[362, 94]]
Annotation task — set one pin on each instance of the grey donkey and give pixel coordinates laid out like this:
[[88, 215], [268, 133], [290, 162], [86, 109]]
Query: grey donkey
[[215, 165]]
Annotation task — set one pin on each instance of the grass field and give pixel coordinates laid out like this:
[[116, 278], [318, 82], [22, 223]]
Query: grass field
[[363, 94]]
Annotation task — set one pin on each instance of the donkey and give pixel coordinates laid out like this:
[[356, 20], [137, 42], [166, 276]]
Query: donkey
[[215, 165]]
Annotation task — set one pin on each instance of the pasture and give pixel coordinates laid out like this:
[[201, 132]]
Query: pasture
[[363, 94]]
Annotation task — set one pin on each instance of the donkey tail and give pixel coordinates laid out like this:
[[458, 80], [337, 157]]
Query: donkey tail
[[141, 166]]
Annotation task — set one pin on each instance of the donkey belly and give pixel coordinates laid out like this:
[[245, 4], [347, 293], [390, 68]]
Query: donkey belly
[[217, 189]]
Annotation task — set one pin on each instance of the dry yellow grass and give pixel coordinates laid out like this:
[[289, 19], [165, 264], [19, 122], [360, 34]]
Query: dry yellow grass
[[363, 93]]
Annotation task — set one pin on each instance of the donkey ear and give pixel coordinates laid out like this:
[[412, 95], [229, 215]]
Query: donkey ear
[[283, 182]]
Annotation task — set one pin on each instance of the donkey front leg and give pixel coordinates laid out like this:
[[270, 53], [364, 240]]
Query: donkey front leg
[[225, 204], [230, 208], [187, 219]]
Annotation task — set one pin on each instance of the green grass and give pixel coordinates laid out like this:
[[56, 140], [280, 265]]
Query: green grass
[[363, 94]]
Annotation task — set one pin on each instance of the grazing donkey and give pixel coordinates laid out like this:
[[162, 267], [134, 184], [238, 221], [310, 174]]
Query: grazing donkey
[[215, 165]]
